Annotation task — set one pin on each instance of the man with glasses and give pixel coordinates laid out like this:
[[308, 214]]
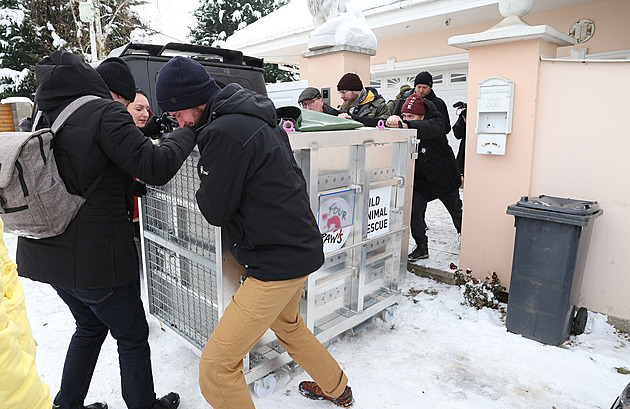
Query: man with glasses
[[312, 99], [364, 105]]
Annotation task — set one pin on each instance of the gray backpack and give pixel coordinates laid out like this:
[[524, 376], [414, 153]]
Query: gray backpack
[[34, 201]]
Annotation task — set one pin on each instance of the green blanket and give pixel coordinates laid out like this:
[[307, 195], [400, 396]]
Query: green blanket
[[309, 121]]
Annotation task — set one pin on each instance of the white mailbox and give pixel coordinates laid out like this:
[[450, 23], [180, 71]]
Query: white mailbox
[[494, 115]]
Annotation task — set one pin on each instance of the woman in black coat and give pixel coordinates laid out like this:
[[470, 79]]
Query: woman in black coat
[[93, 265]]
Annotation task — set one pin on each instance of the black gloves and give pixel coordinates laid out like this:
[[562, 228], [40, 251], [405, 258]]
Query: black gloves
[[152, 128], [138, 189], [167, 122]]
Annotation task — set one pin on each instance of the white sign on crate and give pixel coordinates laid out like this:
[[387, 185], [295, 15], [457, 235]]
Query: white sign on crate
[[335, 218], [378, 211], [335, 239]]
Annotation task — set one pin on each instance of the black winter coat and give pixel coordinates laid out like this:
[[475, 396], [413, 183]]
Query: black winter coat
[[252, 187], [97, 249], [441, 107], [436, 172], [459, 130], [330, 110]]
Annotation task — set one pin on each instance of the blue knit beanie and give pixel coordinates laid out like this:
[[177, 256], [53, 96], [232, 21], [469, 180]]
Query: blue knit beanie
[[183, 83]]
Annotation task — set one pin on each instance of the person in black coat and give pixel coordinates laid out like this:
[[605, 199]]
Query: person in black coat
[[252, 187], [93, 265], [435, 175], [423, 85], [459, 130]]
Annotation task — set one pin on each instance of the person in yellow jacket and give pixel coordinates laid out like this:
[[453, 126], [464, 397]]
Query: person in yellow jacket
[[20, 386]]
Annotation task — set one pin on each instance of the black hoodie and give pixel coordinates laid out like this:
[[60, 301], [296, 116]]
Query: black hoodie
[[97, 249], [252, 187]]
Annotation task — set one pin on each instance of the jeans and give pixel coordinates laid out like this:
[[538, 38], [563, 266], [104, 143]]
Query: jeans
[[451, 201], [96, 311]]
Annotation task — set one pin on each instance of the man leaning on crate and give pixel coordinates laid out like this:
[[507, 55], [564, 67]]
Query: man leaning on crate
[[252, 187]]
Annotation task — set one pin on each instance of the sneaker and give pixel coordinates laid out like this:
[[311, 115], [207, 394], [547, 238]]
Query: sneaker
[[421, 251], [97, 405], [312, 391], [170, 401]]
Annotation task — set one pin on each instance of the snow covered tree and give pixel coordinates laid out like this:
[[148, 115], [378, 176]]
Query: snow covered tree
[[22, 45], [115, 21], [32, 29], [219, 19]]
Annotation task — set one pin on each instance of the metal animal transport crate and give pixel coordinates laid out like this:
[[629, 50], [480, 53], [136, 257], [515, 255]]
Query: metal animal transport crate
[[360, 186]]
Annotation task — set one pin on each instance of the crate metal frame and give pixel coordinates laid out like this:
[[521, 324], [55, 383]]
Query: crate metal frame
[[191, 277]]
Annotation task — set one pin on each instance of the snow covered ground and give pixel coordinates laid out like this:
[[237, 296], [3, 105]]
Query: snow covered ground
[[436, 353]]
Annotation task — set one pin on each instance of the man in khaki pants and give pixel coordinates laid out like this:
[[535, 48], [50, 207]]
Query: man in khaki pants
[[252, 187]]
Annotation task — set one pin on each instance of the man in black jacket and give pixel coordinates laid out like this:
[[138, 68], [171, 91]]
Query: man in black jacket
[[423, 85], [93, 265], [252, 187], [436, 175]]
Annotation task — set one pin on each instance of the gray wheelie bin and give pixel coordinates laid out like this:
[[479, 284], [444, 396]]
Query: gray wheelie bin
[[552, 238]]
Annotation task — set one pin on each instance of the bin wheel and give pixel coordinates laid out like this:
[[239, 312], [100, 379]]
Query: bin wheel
[[579, 322], [265, 386]]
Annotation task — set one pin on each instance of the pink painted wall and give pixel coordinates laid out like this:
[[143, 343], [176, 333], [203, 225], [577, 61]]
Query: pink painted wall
[[581, 151], [327, 69], [495, 181], [609, 16], [565, 142]]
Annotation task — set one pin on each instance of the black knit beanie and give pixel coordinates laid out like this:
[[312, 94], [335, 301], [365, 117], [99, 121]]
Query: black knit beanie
[[183, 83], [423, 78], [350, 82], [118, 77]]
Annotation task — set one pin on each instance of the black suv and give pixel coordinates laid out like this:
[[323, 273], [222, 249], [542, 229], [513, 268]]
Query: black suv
[[225, 66]]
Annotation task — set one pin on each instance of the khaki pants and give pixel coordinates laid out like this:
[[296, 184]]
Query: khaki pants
[[256, 306]]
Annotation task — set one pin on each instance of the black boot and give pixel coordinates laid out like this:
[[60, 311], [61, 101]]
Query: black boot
[[170, 401], [421, 251]]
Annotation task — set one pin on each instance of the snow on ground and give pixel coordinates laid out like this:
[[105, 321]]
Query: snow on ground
[[436, 353]]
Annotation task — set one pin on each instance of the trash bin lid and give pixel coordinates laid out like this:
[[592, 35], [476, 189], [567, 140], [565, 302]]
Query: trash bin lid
[[559, 204]]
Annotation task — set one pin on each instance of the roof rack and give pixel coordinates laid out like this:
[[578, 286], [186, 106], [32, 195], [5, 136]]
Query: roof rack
[[197, 52]]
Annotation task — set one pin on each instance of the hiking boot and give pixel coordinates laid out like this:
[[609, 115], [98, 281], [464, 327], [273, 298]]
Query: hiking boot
[[97, 405], [170, 401], [421, 251], [312, 391]]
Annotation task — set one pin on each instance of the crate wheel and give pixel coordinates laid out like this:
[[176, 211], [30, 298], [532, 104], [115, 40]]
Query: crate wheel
[[265, 386]]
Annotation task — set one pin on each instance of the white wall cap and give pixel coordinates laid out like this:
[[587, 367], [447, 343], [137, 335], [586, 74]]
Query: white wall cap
[[511, 33]]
